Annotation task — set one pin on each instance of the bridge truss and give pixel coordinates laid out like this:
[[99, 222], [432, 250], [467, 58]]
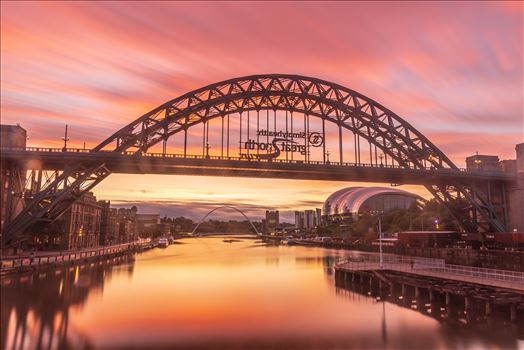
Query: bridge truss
[[226, 207], [271, 102]]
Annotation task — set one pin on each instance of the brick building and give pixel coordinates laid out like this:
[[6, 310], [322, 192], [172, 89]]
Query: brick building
[[109, 224], [148, 224], [128, 224], [78, 227]]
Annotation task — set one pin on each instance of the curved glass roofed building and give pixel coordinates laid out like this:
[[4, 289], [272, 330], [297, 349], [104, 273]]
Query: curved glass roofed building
[[352, 201]]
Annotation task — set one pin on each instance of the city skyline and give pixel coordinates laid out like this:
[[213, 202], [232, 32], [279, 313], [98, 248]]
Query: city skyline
[[97, 67]]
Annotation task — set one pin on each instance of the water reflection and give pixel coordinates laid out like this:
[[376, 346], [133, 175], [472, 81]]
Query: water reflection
[[457, 326], [205, 293], [35, 308]]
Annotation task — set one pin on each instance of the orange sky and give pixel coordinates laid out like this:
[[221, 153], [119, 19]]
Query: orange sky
[[453, 70]]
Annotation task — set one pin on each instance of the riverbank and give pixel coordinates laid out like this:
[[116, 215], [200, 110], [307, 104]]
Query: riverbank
[[27, 262], [492, 259]]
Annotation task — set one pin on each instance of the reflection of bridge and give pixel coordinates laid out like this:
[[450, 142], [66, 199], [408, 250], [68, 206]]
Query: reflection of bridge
[[226, 207], [367, 142], [35, 308]]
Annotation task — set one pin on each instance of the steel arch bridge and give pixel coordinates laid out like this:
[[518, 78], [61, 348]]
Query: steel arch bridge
[[225, 207], [321, 105]]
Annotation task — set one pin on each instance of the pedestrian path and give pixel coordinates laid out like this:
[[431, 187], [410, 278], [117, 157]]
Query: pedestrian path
[[434, 268]]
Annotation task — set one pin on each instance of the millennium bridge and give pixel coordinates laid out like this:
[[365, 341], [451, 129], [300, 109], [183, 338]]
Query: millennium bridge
[[261, 126]]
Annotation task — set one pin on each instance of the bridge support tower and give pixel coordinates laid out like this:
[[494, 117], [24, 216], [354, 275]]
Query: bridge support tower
[[515, 194], [12, 176]]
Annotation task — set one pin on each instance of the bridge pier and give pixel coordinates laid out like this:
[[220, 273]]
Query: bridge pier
[[487, 309]]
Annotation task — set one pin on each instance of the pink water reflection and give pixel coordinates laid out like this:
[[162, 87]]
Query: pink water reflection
[[205, 293]]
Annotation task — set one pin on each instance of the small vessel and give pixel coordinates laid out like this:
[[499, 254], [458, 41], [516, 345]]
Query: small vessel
[[288, 241], [231, 240], [163, 242]]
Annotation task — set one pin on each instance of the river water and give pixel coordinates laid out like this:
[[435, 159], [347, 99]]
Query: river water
[[206, 293]]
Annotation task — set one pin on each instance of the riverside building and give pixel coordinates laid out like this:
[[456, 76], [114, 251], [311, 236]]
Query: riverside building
[[308, 220], [348, 204], [271, 221], [78, 227]]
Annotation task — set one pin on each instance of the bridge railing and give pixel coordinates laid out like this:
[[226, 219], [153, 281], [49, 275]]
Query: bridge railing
[[286, 161], [435, 268]]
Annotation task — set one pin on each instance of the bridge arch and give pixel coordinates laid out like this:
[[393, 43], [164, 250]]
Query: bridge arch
[[343, 108], [332, 103], [226, 207], [328, 101]]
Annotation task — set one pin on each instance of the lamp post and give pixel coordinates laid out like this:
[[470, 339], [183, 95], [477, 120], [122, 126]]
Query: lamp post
[[207, 150], [380, 241], [65, 138], [327, 155]]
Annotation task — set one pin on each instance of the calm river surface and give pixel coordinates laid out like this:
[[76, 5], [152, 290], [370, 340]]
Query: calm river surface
[[205, 293]]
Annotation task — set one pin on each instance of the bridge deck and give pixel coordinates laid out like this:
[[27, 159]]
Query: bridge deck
[[158, 163]]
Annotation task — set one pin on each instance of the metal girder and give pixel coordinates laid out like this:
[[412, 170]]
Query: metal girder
[[315, 97], [54, 198], [450, 196]]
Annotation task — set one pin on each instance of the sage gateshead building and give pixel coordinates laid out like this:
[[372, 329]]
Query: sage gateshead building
[[351, 202]]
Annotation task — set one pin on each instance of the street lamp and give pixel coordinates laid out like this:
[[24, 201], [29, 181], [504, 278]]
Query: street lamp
[[207, 149], [65, 138], [437, 223], [380, 241]]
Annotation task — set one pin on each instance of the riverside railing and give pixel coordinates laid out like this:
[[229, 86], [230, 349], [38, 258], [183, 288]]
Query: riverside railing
[[10, 263], [434, 268]]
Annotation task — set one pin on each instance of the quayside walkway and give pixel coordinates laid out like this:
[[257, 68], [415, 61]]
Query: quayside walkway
[[357, 261], [40, 259]]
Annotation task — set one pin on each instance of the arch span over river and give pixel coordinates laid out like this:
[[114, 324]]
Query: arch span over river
[[281, 142]]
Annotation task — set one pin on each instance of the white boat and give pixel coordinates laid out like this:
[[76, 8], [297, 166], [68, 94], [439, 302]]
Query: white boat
[[163, 242], [288, 241]]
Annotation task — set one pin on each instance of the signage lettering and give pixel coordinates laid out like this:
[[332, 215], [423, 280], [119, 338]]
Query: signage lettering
[[282, 142]]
